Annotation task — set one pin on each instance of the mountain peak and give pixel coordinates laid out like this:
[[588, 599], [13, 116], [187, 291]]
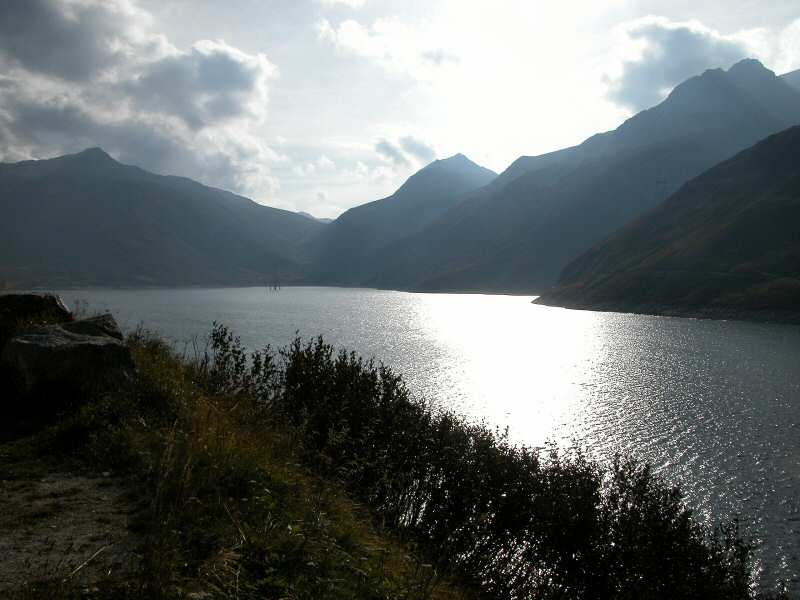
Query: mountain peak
[[748, 65], [456, 159], [747, 69], [458, 163], [94, 154], [750, 72]]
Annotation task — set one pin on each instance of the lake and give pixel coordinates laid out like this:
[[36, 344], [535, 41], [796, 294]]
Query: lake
[[713, 405]]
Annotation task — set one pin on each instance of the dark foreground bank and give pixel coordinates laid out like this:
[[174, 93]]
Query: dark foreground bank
[[309, 473]]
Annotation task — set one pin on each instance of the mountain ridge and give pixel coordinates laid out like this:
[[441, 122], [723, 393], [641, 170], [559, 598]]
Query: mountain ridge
[[86, 219], [344, 252], [725, 244], [518, 233], [792, 78]]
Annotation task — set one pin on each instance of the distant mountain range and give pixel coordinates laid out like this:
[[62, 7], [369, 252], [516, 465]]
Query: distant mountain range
[[726, 244], [85, 219], [310, 216], [520, 231], [351, 250]]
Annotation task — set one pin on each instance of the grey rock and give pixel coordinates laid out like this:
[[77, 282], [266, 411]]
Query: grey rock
[[81, 354], [22, 307], [96, 326]]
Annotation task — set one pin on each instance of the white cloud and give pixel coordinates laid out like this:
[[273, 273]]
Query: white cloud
[[323, 162], [347, 3], [400, 48], [788, 51]]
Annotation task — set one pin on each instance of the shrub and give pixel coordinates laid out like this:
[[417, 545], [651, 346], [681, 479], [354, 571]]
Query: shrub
[[512, 522]]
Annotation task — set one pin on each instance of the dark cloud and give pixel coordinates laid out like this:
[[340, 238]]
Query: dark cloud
[[394, 153], [71, 41], [419, 149], [91, 73], [56, 128], [673, 52], [211, 82]]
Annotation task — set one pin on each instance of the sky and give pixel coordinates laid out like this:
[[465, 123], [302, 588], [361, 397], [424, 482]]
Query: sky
[[321, 105]]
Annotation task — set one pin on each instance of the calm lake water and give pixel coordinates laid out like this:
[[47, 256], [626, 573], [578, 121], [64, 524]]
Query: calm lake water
[[714, 405]]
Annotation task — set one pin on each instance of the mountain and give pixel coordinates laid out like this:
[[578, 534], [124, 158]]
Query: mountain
[[344, 253], [520, 231], [793, 79], [726, 244], [303, 213], [85, 219]]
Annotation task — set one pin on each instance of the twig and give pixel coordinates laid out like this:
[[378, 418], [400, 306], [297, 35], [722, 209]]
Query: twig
[[87, 561], [235, 522]]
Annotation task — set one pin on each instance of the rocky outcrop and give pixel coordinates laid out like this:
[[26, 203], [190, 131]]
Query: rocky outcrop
[[76, 355], [18, 311], [101, 325], [21, 307]]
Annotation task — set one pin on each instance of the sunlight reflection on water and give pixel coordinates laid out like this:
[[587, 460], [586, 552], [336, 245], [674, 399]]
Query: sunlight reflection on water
[[713, 405]]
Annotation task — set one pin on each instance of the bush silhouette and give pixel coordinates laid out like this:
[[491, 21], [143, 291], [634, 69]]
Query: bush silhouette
[[512, 521]]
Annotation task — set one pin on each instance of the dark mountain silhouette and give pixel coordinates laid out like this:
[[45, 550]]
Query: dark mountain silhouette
[[793, 79], [85, 219], [726, 243], [518, 233], [310, 216], [344, 253]]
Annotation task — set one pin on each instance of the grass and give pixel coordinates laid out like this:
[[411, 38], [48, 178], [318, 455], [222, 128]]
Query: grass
[[309, 473], [224, 503]]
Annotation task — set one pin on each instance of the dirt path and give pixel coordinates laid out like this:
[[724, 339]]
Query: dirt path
[[61, 525]]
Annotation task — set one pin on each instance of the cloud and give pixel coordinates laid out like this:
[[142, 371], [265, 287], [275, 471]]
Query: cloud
[[347, 3], [419, 149], [440, 57], [391, 44], [78, 73], [211, 83], [788, 51], [668, 53], [304, 169], [407, 152], [73, 40], [392, 152]]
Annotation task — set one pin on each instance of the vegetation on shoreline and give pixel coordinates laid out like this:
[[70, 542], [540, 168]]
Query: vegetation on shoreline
[[309, 473]]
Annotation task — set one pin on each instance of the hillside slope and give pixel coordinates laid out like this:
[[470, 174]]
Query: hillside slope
[[725, 244], [793, 79], [85, 219], [344, 253], [518, 233]]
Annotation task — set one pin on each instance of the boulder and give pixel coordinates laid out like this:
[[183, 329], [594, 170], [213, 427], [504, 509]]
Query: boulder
[[23, 307], [82, 354], [18, 311], [101, 325]]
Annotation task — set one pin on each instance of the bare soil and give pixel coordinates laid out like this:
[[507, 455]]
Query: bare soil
[[61, 526]]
